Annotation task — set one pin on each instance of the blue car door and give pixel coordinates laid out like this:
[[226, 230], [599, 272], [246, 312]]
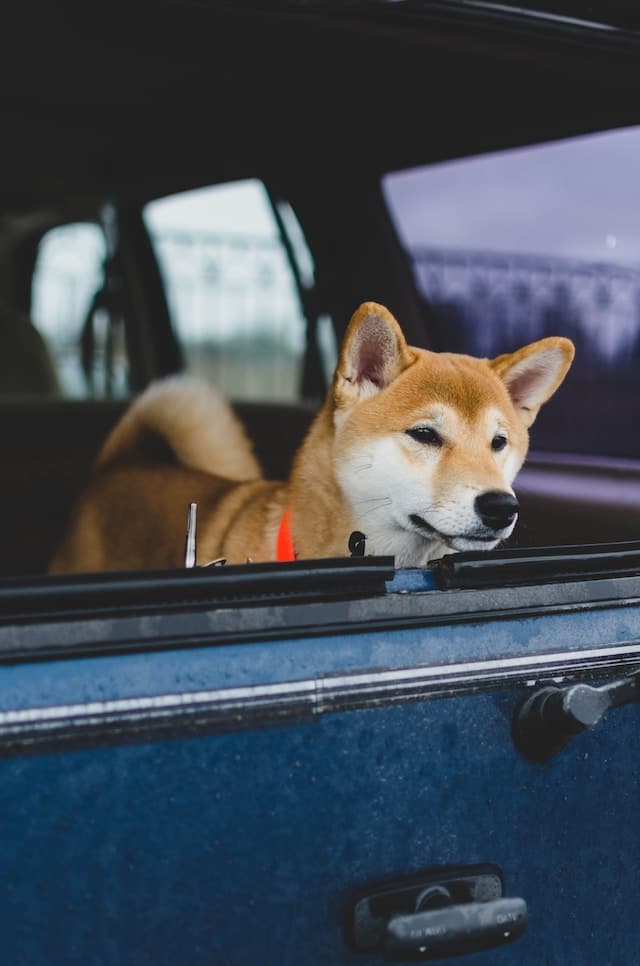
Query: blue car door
[[323, 762]]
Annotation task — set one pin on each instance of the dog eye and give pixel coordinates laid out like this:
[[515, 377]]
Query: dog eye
[[424, 434], [498, 442]]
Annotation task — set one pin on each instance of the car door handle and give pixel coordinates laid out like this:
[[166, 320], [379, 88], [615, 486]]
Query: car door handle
[[547, 720], [436, 913], [454, 930]]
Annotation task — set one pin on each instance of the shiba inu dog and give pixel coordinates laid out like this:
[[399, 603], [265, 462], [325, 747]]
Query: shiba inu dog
[[417, 450]]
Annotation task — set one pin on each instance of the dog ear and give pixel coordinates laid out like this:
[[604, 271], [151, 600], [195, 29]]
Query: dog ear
[[533, 373], [373, 353]]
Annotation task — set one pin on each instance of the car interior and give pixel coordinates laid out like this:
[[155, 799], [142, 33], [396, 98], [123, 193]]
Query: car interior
[[218, 191]]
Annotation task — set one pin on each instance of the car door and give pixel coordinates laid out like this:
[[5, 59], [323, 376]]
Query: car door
[[324, 762], [300, 763]]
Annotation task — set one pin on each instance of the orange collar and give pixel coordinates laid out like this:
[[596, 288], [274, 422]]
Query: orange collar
[[284, 540]]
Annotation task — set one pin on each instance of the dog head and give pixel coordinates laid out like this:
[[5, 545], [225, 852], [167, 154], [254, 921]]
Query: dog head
[[427, 445]]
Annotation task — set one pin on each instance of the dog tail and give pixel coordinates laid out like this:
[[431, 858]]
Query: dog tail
[[189, 418]]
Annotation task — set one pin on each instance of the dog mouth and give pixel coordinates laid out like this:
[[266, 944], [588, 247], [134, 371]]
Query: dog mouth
[[420, 524]]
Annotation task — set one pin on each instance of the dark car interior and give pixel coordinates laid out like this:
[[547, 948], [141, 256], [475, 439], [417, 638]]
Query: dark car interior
[[103, 114]]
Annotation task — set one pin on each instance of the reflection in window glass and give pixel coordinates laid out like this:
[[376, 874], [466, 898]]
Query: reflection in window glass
[[514, 246], [230, 289]]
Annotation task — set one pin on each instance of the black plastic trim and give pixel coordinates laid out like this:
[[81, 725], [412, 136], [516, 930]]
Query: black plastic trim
[[85, 634], [50, 598], [539, 565]]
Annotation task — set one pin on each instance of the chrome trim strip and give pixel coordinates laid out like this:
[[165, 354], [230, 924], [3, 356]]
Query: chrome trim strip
[[231, 709]]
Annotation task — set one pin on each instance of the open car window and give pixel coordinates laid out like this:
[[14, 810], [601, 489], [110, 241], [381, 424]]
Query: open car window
[[512, 246]]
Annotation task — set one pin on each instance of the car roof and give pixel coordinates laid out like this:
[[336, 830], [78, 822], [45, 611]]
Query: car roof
[[139, 98], [613, 14]]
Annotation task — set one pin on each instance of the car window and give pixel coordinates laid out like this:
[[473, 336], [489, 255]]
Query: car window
[[231, 291], [516, 245], [85, 340]]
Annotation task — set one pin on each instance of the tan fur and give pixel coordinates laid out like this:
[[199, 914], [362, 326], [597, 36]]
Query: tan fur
[[171, 409], [357, 469]]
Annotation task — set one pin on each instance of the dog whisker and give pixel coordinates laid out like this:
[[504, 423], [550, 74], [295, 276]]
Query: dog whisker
[[381, 503]]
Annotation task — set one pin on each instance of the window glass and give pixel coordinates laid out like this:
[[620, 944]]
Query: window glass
[[88, 347], [230, 288], [513, 246]]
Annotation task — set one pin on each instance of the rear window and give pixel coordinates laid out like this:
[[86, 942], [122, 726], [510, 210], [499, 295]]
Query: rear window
[[85, 342], [510, 247], [231, 290]]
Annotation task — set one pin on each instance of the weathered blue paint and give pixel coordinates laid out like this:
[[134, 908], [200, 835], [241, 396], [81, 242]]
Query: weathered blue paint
[[103, 678], [413, 579], [242, 849]]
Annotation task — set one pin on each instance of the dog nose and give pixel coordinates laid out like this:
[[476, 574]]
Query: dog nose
[[496, 508]]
